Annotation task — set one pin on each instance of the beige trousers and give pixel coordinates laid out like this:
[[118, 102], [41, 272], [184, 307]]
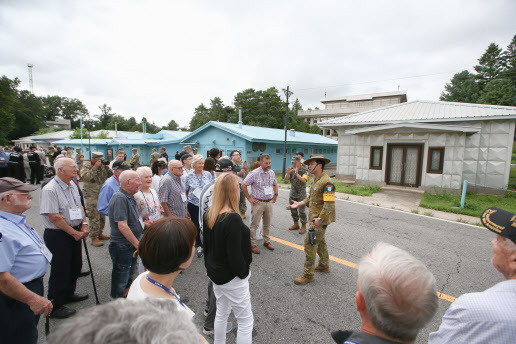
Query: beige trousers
[[259, 210]]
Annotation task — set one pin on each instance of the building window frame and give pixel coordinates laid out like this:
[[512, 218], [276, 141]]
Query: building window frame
[[278, 151], [429, 164], [372, 166]]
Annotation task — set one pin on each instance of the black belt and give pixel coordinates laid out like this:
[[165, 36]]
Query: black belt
[[265, 200], [39, 279], [77, 228]]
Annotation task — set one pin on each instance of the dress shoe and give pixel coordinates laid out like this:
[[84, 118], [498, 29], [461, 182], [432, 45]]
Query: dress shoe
[[269, 246], [62, 312], [84, 273], [303, 228], [96, 242], [211, 332], [303, 280], [322, 268], [104, 237], [76, 298], [294, 226], [255, 249]]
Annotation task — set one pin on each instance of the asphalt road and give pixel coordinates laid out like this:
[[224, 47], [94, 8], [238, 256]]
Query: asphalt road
[[458, 255]]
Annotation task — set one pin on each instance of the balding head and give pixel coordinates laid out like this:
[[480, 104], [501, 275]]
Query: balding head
[[130, 182], [175, 167], [66, 169]]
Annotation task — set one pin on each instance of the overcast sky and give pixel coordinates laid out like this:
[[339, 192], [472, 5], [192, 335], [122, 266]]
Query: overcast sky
[[162, 58]]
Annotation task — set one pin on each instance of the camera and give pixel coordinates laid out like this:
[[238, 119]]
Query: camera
[[104, 162]]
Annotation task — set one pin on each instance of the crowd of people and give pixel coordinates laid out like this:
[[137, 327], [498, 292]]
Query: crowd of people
[[163, 215]]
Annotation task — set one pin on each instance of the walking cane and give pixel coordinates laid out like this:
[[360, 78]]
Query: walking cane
[[91, 271], [47, 326]]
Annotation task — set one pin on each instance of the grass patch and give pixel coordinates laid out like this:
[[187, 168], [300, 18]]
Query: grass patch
[[362, 190], [428, 213], [512, 178], [474, 206], [414, 211]]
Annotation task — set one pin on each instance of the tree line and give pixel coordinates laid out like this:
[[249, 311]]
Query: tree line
[[493, 83]]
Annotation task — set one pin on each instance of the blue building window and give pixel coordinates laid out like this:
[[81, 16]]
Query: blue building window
[[278, 151]]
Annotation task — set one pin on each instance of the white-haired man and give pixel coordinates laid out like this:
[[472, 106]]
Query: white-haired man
[[396, 298], [488, 316], [171, 191]]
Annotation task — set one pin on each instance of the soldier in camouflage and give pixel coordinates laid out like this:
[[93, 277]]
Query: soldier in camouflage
[[79, 158], [321, 212], [298, 176], [94, 174], [135, 159]]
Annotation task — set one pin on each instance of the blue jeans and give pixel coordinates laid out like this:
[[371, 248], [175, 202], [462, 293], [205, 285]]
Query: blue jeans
[[124, 267]]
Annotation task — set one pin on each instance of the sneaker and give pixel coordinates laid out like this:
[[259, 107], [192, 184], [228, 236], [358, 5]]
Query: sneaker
[[199, 252], [208, 332]]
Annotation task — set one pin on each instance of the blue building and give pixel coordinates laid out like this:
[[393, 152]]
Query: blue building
[[251, 141]]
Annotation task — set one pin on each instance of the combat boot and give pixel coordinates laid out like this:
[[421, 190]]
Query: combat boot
[[96, 242], [322, 268], [294, 226], [102, 236], [303, 280], [303, 228]]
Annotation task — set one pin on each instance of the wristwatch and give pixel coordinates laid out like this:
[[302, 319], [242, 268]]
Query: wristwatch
[[275, 194]]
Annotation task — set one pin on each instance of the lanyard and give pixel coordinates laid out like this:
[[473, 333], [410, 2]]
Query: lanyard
[[148, 208], [200, 180], [135, 207], [32, 236], [165, 289], [71, 193], [263, 179]]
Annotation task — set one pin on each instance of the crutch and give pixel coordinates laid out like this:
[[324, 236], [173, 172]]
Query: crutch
[[91, 271]]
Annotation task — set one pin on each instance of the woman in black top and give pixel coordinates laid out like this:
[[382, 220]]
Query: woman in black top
[[227, 256]]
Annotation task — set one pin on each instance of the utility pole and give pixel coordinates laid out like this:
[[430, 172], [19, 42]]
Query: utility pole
[[287, 94], [31, 84]]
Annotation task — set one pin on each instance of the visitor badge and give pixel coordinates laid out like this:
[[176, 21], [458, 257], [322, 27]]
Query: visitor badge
[[45, 251], [183, 196], [2, 159], [155, 216], [268, 190], [197, 193], [75, 214], [141, 222]]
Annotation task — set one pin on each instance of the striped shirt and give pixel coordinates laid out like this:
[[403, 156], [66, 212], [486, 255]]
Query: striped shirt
[[194, 181], [57, 197], [170, 190], [259, 180]]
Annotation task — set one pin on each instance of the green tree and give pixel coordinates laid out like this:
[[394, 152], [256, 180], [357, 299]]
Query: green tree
[[489, 65], [72, 108], [509, 61], [500, 91], [462, 88], [8, 99], [103, 135], [27, 111], [172, 125], [200, 118], [51, 107], [105, 116], [77, 133]]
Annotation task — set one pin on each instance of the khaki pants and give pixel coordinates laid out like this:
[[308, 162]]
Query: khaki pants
[[259, 210]]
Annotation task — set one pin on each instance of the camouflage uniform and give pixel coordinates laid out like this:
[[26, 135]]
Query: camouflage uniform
[[154, 157], [93, 178], [135, 161], [325, 210], [298, 193], [79, 159]]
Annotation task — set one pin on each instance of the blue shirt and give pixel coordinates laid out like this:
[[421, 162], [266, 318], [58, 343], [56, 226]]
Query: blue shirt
[[486, 317], [20, 249], [108, 189], [193, 181], [4, 158]]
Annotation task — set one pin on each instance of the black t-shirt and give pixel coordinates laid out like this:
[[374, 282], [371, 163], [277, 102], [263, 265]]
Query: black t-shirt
[[164, 155], [227, 248]]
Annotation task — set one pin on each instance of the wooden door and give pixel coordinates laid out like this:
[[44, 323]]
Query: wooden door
[[404, 163]]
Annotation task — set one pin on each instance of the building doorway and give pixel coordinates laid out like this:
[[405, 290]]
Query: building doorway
[[404, 162]]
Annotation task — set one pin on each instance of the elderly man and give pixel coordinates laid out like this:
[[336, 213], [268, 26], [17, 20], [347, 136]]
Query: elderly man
[[298, 176], [265, 192], [488, 316], [171, 191], [396, 298], [110, 186], [24, 259], [94, 173], [135, 159], [126, 229], [65, 225], [154, 157]]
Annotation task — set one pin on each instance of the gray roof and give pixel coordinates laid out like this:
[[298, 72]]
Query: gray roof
[[368, 96], [425, 111]]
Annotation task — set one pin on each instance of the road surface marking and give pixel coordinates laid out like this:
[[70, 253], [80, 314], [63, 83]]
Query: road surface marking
[[350, 264]]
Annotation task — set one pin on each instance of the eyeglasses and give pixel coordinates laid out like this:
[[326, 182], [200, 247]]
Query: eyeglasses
[[179, 168]]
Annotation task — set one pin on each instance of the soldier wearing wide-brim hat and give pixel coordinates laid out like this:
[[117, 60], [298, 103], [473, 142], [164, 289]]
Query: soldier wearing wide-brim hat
[[321, 204]]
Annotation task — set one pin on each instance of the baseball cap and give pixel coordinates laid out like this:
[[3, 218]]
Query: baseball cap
[[224, 165], [8, 183], [501, 222], [119, 165]]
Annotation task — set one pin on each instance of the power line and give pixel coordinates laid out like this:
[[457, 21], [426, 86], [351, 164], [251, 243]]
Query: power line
[[371, 82]]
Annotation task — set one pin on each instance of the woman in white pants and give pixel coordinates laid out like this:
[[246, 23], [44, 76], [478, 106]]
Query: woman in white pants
[[227, 256]]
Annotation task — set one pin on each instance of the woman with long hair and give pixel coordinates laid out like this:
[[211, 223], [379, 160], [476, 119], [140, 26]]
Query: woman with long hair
[[195, 181], [209, 166], [227, 249]]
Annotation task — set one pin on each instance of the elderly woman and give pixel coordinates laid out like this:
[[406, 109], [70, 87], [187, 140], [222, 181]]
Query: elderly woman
[[194, 183], [147, 198], [158, 167]]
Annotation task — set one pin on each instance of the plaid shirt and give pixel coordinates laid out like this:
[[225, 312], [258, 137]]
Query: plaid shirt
[[170, 190], [258, 180]]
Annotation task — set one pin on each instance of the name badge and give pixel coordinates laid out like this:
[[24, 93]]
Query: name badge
[[183, 196], [75, 214], [155, 216], [268, 190], [197, 193], [2, 159], [45, 251], [141, 222]]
